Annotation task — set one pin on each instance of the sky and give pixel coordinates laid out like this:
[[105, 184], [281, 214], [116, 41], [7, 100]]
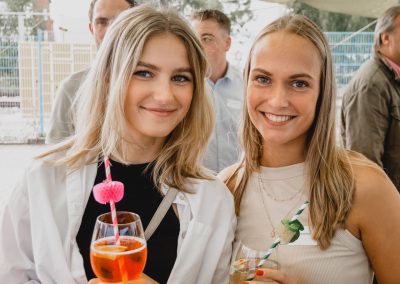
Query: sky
[[71, 15]]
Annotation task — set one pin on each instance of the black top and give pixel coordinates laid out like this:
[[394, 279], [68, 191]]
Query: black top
[[141, 197]]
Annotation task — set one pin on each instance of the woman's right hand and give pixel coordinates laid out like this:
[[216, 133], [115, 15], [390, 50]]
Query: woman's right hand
[[277, 276]]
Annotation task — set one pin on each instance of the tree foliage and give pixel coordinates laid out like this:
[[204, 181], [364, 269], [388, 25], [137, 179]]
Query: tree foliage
[[330, 21], [19, 5], [9, 23]]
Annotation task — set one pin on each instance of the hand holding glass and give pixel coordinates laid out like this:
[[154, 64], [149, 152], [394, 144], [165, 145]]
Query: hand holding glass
[[246, 261], [118, 261]]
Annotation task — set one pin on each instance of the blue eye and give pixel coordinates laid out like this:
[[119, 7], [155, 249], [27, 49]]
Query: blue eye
[[300, 84], [180, 78], [144, 74], [263, 79]]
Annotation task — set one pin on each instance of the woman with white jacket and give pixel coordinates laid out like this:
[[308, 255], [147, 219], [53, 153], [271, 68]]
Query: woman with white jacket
[[144, 105]]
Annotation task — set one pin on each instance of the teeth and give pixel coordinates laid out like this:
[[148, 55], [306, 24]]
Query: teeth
[[278, 118]]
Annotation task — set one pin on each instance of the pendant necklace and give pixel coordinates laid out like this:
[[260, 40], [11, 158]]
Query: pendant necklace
[[261, 188]]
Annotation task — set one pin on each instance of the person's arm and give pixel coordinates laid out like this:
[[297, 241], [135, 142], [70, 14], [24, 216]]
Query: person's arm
[[375, 218], [366, 120], [16, 252], [61, 124]]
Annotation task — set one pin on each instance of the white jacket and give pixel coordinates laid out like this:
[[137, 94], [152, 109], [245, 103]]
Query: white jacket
[[40, 222]]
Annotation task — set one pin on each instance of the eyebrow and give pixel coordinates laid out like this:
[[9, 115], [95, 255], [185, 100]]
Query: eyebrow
[[154, 67], [101, 19], [294, 76], [207, 34]]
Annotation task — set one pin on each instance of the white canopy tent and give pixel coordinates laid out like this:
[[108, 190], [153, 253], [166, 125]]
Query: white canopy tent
[[365, 8]]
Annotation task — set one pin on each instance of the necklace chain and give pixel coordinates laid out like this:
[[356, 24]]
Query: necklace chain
[[261, 183], [261, 188]]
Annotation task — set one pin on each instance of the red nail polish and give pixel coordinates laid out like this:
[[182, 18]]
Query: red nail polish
[[259, 272], [245, 282]]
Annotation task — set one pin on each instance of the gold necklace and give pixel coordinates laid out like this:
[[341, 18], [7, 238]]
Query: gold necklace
[[275, 198], [261, 188]]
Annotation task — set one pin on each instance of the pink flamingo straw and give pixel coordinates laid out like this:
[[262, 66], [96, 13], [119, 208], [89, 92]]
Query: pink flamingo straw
[[112, 192]]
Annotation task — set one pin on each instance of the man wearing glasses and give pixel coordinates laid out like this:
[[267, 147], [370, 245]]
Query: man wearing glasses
[[226, 85]]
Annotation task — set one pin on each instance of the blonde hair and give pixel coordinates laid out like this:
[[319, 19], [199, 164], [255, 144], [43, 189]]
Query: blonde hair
[[330, 179], [101, 126]]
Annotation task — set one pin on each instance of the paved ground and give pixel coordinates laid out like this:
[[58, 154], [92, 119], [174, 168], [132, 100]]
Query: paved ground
[[13, 160]]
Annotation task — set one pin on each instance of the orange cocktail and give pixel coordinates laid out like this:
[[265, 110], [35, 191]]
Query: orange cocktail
[[118, 263], [122, 260]]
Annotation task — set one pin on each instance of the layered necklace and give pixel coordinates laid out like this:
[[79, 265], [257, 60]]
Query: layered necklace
[[261, 189]]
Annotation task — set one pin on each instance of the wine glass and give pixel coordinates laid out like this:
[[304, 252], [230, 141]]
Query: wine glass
[[245, 262], [122, 260]]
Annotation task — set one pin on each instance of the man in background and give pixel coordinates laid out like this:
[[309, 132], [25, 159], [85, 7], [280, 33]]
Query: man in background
[[101, 14], [371, 103], [226, 84]]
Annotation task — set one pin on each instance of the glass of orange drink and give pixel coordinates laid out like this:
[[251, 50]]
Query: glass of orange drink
[[119, 260]]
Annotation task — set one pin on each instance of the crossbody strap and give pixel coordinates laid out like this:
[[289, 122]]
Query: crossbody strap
[[160, 213]]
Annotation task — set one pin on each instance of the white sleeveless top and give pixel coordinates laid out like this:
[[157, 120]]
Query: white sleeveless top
[[277, 193]]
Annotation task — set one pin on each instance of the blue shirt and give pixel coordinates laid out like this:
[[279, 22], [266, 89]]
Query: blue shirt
[[227, 93]]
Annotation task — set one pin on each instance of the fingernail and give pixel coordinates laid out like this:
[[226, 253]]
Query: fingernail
[[259, 272], [245, 282]]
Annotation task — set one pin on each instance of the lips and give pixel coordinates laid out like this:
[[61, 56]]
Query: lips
[[160, 111]]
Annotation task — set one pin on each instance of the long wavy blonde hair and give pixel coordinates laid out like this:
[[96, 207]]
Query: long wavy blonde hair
[[330, 178], [101, 120]]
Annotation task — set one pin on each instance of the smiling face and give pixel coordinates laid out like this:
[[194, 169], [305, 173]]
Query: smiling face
[[283, 88], [160, 91]]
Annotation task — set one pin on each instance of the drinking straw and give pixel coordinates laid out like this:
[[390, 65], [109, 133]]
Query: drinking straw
[[112, 203], [277, 241]]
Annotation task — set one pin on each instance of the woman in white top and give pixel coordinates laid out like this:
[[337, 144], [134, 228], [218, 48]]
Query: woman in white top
[[143, 101], [290, 156]]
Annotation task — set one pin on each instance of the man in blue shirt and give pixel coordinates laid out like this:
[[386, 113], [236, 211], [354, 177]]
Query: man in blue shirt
[[226, 86]]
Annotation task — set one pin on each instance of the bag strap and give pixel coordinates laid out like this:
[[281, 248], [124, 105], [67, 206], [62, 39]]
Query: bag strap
[[160, 213], [233, 178]]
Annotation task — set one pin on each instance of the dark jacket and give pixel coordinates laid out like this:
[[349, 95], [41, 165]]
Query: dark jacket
[[370, 116]]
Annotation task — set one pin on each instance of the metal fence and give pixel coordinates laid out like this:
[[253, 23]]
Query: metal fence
[[349, 52], [9, 74], [31, 71]]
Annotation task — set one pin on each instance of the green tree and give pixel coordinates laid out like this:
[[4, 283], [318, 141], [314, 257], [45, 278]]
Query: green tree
[[9, 23], [19, 5], [330, 21]]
